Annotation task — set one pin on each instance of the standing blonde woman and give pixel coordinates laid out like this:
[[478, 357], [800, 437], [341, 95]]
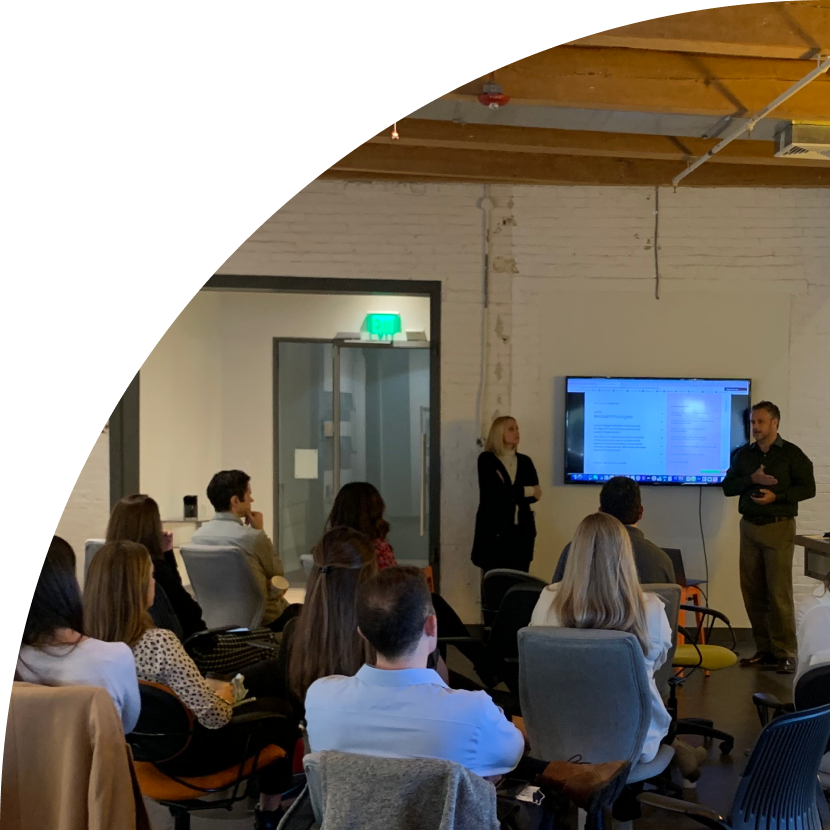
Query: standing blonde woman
[[600, 590], [508, 484]]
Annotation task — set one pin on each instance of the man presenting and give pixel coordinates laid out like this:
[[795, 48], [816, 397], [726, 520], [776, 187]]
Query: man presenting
[[770, 476]]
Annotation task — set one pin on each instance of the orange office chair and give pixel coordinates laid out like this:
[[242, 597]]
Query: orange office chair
[[164, 731]]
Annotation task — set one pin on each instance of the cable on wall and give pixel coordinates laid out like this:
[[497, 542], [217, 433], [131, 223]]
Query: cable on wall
[[484, 204], [656, 235], [703, 540]]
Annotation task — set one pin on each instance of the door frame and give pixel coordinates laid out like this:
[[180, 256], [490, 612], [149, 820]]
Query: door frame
[[434, 477], [124, 427]]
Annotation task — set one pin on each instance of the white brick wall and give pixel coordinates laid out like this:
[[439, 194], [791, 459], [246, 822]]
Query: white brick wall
[[774, 245]]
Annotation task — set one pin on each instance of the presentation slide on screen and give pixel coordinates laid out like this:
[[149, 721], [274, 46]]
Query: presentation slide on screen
[[668, 431]]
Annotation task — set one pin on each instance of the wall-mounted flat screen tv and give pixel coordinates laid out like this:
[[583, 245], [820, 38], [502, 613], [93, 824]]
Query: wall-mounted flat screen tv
[[654, 430]]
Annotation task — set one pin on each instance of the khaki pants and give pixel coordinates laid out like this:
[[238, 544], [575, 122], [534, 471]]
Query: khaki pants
[[767, 584]]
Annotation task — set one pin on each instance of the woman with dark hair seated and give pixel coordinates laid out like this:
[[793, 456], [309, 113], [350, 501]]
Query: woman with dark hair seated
[[56, 651], [119, 592], [360, 506], [137, 519]]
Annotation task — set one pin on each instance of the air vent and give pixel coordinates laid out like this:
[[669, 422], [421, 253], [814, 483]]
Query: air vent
[[804, 141]]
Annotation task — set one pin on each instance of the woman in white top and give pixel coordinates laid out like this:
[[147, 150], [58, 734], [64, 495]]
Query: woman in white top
[[55, 650], [600, 590], [812, 622], [119, 592]]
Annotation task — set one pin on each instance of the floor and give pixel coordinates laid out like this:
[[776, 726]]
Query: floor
[[724, 697]]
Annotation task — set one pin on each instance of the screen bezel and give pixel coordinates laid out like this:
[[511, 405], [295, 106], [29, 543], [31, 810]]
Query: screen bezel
[[565, 479]]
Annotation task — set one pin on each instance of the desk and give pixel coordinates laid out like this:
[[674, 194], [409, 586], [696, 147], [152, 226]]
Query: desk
[[816, 555]]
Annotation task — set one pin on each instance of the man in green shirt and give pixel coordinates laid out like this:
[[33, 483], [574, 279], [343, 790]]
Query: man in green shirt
[[771, 477]]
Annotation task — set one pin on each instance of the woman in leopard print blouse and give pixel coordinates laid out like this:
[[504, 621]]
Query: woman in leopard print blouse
[[119, 591]]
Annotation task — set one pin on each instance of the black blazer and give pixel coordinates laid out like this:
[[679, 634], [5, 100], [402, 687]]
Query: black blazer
[[186, 609], [501, 542]]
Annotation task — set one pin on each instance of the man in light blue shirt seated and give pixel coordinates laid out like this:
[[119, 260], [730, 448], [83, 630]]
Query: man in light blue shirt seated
[[399, 708]]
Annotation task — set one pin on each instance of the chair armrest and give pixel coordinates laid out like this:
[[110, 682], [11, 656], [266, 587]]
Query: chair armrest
[[716, 615], [766, 703], [685, 632], [701, 814], [221, 630], [709, 612]]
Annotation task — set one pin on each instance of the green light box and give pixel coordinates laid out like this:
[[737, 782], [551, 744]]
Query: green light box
[[383, 326]]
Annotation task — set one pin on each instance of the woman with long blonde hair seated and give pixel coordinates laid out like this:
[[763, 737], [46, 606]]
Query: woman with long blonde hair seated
[[600, 590]]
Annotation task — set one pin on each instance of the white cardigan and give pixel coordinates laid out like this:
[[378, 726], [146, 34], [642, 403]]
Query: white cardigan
[[659, 632]]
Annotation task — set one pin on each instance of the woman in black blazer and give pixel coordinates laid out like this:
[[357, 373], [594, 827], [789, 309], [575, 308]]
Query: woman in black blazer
[[508, 484]]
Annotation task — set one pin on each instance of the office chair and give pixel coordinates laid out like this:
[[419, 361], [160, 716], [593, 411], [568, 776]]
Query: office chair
[[225, 585], [690, 591], [496, 583], [693, 655], [778, 789], [585, 692], [164, 730]]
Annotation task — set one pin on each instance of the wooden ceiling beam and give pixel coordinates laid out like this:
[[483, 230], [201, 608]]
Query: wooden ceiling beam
[[414, 133], [443, 164], [651, 81]]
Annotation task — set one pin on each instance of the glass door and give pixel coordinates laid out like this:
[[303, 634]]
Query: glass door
[[351, 412]]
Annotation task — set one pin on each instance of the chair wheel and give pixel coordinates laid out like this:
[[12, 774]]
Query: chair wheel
[[726, 747]]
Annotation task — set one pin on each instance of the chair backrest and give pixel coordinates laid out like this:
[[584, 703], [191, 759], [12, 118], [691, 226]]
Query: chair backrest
[[676, 557], [416, 792], [307, 561], [514, 614], [670, 594], [496, 583], [225, 585], [165, 724], [583, 692], [777, 790], [813, 688], [91, 547]]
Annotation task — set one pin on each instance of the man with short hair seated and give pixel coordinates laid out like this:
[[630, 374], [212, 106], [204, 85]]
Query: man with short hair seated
[[620, 498], [236, 524], [399, 708]]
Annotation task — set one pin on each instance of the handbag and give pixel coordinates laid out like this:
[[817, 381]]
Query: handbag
[[226, 651]]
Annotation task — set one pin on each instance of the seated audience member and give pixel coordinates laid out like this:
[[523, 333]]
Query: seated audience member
[[119, 591], [399, 708], [360, 506], [600, 590], [237, 525], [55, 649], [137, 519], [324, 639], [620, 498], [812, 619]]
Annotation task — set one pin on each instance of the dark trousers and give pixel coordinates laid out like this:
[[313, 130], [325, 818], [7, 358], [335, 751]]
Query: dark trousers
[[766, 564]]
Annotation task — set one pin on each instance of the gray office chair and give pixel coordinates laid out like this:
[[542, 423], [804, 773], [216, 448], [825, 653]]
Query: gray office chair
[[416, 792], [91, 547], [225, 585], [586, 692], [307, 561], [670, 594]]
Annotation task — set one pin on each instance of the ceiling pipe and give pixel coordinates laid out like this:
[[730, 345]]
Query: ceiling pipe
[[739, 129]]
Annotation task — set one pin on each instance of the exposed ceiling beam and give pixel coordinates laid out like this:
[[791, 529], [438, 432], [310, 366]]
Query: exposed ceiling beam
[[669, 82], [113, 134]]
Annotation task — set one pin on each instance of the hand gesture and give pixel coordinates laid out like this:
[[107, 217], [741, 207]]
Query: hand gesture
[[254, 519], [537, 492], [766, 497], [166, 541], [226, 693], [760, 477]]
